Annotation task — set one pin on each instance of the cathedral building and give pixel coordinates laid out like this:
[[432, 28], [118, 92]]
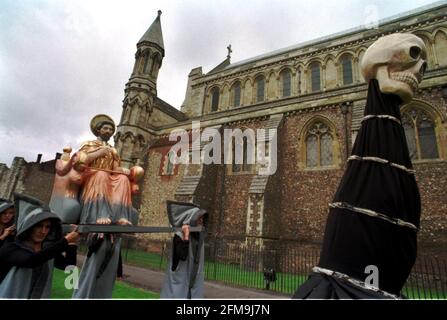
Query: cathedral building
[[309, 98], [312, 96]]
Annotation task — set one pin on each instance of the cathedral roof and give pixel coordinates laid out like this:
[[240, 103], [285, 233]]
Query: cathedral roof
[[154, 34], [170, 110], [324, 40], [221, 65]]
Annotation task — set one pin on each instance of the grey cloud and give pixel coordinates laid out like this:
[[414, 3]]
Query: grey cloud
[[61, 62]]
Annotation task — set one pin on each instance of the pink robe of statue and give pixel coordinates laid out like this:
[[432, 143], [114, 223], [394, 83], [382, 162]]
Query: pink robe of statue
[[104, 194]]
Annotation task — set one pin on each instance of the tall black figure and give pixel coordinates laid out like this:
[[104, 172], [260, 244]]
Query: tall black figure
[[370, 241]]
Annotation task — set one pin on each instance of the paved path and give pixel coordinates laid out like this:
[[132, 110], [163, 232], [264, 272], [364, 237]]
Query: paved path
[[153, 280]]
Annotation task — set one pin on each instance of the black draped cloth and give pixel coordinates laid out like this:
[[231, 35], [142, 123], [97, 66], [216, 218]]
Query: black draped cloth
[[387, 238]]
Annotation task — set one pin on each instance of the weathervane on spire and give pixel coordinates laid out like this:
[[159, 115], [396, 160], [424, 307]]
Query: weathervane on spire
[[229, 51]]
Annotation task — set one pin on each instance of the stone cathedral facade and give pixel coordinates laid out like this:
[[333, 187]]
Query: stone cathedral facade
[[313, 95]]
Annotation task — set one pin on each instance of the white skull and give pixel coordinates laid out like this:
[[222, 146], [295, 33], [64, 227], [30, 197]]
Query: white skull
[[398, 62]]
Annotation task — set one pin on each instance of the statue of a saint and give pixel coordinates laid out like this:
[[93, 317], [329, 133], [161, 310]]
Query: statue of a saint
[[92, 188]]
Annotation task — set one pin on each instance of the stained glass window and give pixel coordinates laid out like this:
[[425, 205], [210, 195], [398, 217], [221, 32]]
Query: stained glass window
[[420, 134], [311, 151], [319, 146], [326, 149]]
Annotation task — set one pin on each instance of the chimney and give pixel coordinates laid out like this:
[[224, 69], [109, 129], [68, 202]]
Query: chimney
[[39, 158]]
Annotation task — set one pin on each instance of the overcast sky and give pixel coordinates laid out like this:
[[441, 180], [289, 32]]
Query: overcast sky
[[62, 62]]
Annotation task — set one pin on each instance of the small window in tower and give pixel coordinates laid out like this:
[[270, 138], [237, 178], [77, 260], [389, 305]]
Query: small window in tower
[[147, 64], [156, 62]]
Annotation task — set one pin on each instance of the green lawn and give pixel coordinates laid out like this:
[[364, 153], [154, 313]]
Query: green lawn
[[414, 293], [144, 259], [121, 291], [233, 274], [230, 273], [216, 271]]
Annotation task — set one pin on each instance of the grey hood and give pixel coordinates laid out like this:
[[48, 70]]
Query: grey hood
[[5, 204], [180, 213], [31, 211]]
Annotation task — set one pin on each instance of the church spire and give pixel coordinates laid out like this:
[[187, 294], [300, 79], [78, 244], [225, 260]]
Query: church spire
[[154, 34]]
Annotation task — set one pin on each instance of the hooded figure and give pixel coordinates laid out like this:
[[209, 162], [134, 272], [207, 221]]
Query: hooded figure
[[185, 273], [371, 230], [7, 233], [30, 271]]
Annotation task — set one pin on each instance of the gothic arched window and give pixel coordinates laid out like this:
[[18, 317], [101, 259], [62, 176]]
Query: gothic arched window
[[286, 79], [215, 99], [319, 146], [420, 133], [260, 89], [237, 94], [315, 76], [346, 66]]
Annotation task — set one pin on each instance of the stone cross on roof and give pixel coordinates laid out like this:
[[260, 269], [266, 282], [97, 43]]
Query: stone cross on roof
[[229, 51]]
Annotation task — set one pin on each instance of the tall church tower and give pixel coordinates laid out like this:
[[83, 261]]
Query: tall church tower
[[133, 132]]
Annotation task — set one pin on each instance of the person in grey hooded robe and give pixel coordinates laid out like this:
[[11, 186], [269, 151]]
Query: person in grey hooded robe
[[185, 272], [37, 249]]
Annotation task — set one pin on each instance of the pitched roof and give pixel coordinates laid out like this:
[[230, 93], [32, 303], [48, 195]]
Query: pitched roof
[[170, 110], [415, 12], [154, 34]]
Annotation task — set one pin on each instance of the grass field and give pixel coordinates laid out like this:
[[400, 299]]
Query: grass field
[[233, 274], [121, 291]]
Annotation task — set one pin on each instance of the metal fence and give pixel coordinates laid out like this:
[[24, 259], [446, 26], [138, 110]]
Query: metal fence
[[282, 270]]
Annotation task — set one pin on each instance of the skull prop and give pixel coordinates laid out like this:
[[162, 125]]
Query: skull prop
[[398, 62]]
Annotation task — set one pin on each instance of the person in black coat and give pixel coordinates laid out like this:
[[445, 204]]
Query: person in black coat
[[27, 263]]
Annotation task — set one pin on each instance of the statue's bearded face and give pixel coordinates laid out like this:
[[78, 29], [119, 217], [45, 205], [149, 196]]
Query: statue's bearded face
[[398, 62], [106, 131]]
